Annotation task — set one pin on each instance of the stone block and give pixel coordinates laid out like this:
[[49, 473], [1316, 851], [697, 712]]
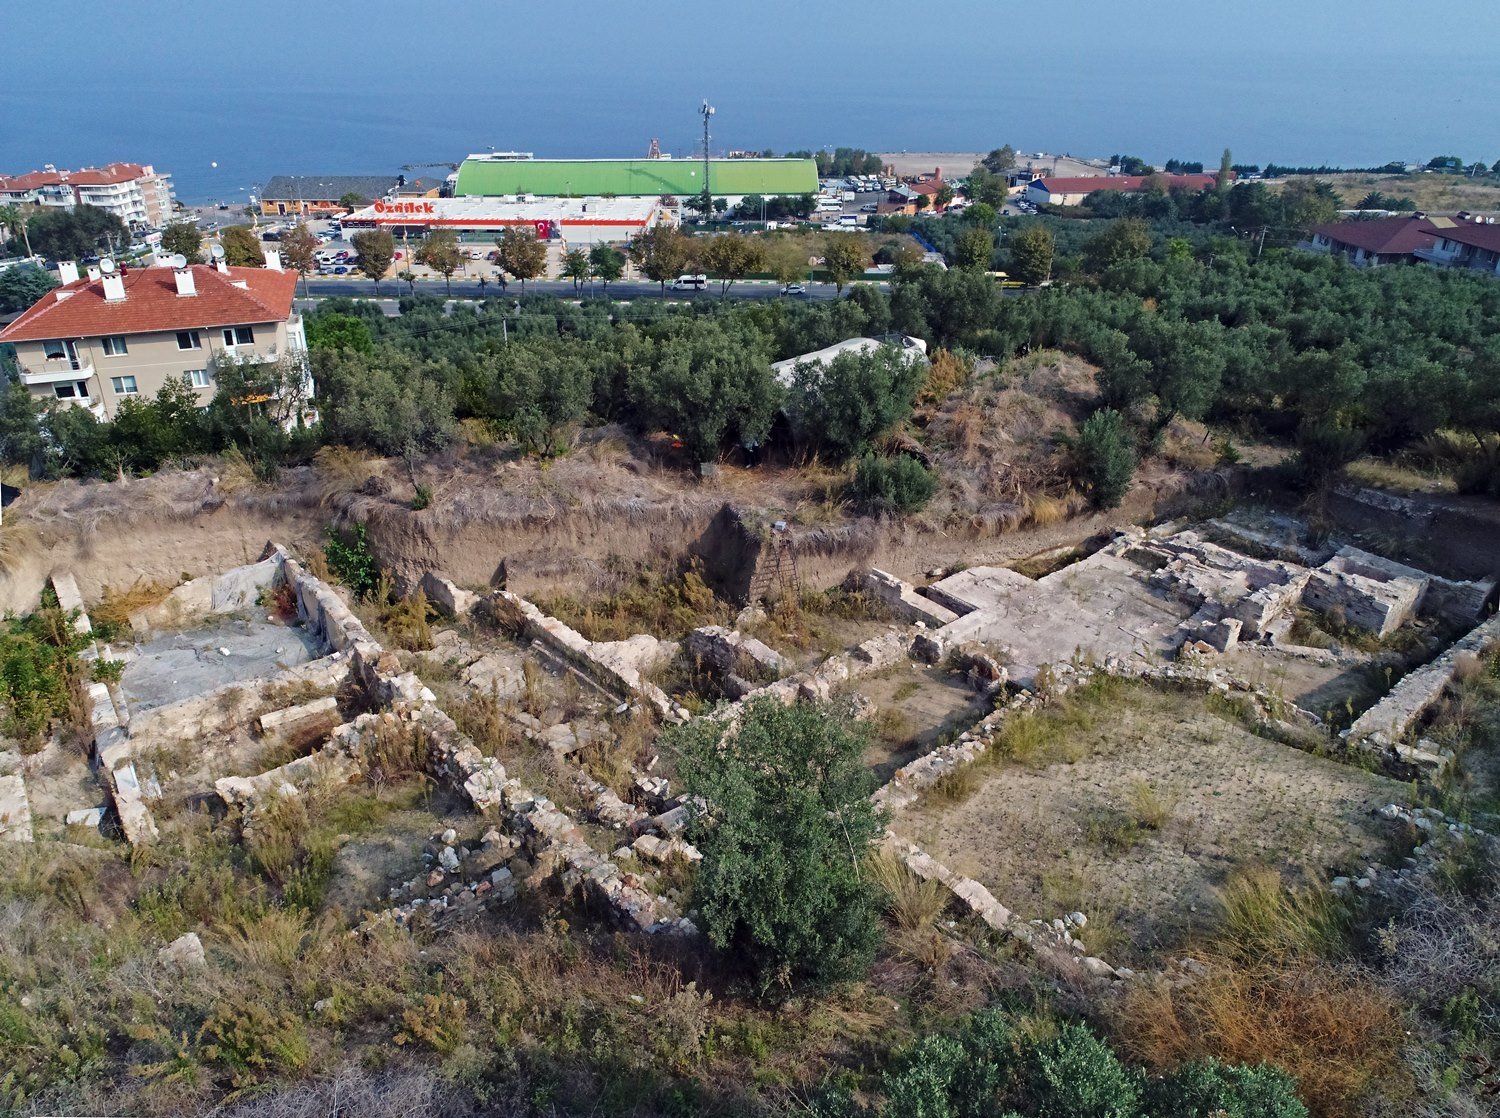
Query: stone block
[[276, 721], [446, 597], [65, 586], [15, 810], [902, 599], [728, 652], [183, 954], [84, 817]]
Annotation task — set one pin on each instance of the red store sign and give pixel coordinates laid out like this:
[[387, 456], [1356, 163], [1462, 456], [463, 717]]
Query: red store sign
[[404, 208]]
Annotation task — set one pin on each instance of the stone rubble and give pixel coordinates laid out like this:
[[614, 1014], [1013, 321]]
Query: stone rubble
[[183, 954]]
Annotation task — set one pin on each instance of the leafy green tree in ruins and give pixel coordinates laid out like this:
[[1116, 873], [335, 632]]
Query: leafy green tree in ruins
[[1105, 453], [786, 832]]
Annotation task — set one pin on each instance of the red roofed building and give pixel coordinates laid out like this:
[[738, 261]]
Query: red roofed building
[[133, 192], [104, 338], [1072, 191], [1377, 241], [1467, 244]]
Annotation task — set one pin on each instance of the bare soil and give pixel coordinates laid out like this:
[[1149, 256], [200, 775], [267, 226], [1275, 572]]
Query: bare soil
[[1062, 836], [917, 705]]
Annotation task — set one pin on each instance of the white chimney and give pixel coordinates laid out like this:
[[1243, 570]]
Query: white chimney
[[185, 284], [114, 288], [67, 271], [273, 259], [221, 266], [94, 272]]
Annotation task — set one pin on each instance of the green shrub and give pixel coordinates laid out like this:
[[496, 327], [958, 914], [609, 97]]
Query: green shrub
[[40, 672], [1075, 1075], [1209, 1089], [1106, 457], [900, 484], [352, 562], [782, 885]]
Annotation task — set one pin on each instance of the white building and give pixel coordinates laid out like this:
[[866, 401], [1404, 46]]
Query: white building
[[135, 193], [577, 221]]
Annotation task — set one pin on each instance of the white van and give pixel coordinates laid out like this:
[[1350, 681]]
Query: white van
[[689, 283]]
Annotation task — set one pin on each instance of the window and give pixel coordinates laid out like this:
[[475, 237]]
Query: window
[[123, 386], [114, 345], [68, 390], [52, 351], [238, 335], [201, 378], [189, 339]]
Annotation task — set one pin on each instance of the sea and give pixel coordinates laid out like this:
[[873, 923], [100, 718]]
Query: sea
[[222, 143]]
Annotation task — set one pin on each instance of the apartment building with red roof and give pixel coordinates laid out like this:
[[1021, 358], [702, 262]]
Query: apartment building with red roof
[[1072, 191], [121, 334], [136, 193]]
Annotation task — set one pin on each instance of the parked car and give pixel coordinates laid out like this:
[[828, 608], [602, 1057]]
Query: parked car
[[340, 270], [794, 289]]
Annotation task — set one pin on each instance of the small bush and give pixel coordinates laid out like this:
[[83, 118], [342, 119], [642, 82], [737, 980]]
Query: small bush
[[1075, 1075], [351, 561], [900, 484], [1207, 1087], [1106, 457], [1150, 808]]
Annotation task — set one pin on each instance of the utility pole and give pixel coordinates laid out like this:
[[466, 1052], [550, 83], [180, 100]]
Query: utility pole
[[708, 199]]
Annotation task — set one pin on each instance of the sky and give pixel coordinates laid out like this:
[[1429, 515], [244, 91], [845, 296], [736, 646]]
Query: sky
[[336, 86]]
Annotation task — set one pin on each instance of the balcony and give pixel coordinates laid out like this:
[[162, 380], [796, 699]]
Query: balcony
[[54, 370]]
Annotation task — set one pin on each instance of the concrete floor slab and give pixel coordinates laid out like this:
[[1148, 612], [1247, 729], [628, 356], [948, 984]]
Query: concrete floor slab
[[180, 665]]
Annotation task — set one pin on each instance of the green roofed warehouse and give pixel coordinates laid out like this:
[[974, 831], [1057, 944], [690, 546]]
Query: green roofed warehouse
[[481, 176]]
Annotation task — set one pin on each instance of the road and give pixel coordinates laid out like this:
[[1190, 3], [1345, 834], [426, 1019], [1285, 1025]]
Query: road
[[563, 289]]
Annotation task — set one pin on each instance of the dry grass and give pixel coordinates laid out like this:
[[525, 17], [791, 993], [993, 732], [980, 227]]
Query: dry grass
[[18, 542], [1336, 1033], [1150, 807], [235, 473], [341, 471], [912, 903], [116, 605]]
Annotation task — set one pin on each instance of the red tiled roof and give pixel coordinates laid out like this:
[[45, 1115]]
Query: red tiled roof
[[1483, 235], [151, 303], [1090, 183], [1384, 235], [88, 176]]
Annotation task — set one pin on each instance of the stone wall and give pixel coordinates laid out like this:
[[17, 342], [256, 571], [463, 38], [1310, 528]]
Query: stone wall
[[1387, 724]]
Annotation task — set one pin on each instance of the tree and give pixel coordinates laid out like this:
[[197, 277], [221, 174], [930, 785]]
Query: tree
[[13, 224], [575, 266], [376, 248], [353, 200], [521, 253], [1305, 203], [982, 186], [23, 285], [1105, 454], [332, 330], [538, 391], [786, 259], [392, 403], [845, 257], [81, 231], [982, 214], [297, 251], [408, 277], [922, 201], [1132, 165], [20, 428], [943, 197], [1125, 239], [1226, 171], [607, 262], [1000, 160], [661, 253], [242, 247], [705, 383], [185, 238], [439, 251], [1031, 251], [845, 403], [785, 832], [974, 249], [730, 257]]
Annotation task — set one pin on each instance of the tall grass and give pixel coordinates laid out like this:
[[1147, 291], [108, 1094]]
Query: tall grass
[[912, 903], [1262, 919]]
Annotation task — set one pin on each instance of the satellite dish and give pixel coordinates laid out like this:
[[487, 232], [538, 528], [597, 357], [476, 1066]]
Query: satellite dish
[[107, 266], [179, 260], [216, 251]]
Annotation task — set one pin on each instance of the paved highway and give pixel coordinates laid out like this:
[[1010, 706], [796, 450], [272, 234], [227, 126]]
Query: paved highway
[[563, 289]]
